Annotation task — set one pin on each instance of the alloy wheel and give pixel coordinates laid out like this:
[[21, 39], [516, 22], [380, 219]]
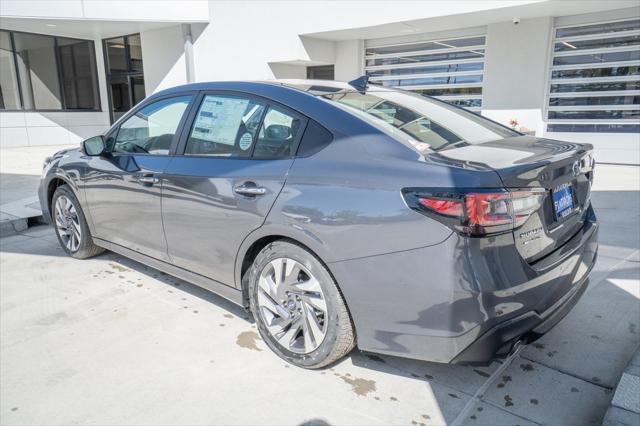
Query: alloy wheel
[[68, 223], [292, 305]]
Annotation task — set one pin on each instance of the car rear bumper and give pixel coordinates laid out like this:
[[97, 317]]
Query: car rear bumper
[[461, 301]]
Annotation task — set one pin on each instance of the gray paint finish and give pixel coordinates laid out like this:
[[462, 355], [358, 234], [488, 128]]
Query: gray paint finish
[[414, 287]]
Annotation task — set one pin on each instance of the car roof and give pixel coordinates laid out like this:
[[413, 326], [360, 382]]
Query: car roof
[[311, 87]]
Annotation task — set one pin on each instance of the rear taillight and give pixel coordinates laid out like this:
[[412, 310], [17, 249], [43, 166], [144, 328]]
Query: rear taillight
[[476, 212]]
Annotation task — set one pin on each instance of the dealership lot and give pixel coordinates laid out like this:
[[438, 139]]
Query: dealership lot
[[110, 341]]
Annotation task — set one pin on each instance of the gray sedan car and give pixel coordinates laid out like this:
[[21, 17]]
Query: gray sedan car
[[340, 214]]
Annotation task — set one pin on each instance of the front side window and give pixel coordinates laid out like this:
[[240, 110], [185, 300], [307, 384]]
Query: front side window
[[151, 129], [225, 126]]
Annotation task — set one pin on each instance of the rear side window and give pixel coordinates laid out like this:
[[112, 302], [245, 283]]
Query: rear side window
[[225, 126], [277, 135], [151, 129]]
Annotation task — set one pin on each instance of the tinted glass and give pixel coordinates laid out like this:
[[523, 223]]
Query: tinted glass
[[596, 43], [151, 129], [431, 125], [77, 63], [591, 87], [598, 28], [477, 66], [116, 55], [38, 77], [277, 134], [595, 115], [431, 45], [9, 95], [120, 100], [631, 55], [135, 53], [597, 72], [427, 58], [225, 126], [589, 100], [600, 128]]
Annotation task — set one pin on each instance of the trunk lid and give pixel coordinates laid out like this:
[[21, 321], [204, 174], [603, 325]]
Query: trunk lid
[[563, 169]]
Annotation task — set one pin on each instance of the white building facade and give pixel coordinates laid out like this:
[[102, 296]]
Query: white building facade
[[567, 70]]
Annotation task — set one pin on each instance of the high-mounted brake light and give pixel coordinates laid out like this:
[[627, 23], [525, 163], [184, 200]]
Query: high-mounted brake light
[[477, 213]]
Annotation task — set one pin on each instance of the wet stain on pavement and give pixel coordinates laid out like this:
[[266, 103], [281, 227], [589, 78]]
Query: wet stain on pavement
[[118, 268], [508, 402], [428, 376], [248, 340], [228, 316], [527, 367], [632, 328], [574, 389], [360, 387], [453, 395], [533, 401], [538, 346], [393, 398], [481, 373], [14, 409]]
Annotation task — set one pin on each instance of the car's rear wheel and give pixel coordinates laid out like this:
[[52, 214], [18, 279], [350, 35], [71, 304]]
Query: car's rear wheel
[[71, 226], [300, 312]]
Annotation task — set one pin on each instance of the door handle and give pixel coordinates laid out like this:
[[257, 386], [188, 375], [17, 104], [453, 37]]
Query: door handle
[[250, 190], [147, 180]]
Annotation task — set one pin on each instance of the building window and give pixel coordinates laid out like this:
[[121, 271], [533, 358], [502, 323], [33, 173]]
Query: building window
[[41, 72], [595, 78], [450, 69], [125, 73], [321, 72]]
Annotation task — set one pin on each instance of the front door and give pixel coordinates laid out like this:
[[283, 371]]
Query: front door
[[123, 187], [236, 157]]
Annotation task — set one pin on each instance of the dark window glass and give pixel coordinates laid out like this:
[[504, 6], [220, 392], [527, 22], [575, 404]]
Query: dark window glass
[[120, 99], [151, 129], [427, 58], [452, 79], [466, 103], [79, 76], [225, 126], [599, 28], [588, 100], [36, 57], [9, 94], [478, 66], [277, 134], [595, 115], [564, 46], [135, 53], [591, 87], [431, 45], [314, 139], [116, 55], [450, 91], [599, 128], [597, 72], [137, 84], [323, 72], [631, 55]]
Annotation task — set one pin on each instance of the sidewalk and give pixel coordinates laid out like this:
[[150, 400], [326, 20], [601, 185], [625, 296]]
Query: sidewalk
[[20, 170]]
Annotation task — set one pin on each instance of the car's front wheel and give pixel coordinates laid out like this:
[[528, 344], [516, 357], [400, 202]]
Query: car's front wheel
[[300, 312], [71, 226]]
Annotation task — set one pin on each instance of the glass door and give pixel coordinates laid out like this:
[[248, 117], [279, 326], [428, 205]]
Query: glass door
[[125, 74]]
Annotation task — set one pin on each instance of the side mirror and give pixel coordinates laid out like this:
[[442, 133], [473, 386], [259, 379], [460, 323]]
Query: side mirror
[[94, 146]]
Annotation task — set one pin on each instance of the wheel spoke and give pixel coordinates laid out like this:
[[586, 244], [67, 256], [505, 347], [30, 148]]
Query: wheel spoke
[[292, 305]]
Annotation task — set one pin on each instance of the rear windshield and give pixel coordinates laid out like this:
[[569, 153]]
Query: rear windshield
[[424, 123]]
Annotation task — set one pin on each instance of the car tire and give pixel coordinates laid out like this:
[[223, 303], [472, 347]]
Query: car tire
[[76, 244], [335, 321]]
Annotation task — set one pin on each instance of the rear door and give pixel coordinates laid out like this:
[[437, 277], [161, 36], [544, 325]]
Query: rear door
[[235, 157], [123, 187]]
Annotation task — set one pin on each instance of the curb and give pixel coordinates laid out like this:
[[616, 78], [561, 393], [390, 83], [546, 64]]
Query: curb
[[15, 226], [625, 405]]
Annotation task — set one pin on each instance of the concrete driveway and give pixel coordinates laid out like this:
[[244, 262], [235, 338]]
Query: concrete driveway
[[109, 341]]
